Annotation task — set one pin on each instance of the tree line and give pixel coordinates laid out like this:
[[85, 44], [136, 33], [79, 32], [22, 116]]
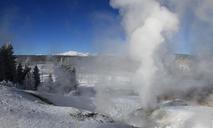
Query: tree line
[[20, 76]]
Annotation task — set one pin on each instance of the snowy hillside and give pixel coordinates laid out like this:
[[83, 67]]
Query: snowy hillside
[[169, 114], [73, 53], [31, 109], [22, 110]]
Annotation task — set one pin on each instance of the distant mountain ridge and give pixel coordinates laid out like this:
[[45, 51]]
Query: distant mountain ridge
[[73, 53]]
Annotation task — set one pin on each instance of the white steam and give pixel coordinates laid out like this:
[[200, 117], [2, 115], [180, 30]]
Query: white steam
[[147, 24]]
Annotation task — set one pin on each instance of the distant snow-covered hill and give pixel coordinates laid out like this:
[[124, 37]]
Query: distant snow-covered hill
[[73, 53]]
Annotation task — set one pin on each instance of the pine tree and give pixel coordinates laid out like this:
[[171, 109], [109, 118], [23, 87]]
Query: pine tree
[[26, 71], [20, 74], [36, 77], [28, 78], [8, 63]]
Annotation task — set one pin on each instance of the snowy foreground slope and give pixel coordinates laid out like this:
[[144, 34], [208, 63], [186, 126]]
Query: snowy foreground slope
[[22, 110], [19, 109], [171, 114]]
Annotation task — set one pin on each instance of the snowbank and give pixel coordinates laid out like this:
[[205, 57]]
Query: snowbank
[[21, 110]]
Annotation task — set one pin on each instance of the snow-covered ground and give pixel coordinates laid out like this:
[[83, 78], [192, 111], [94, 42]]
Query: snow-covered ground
[[168, 114], [115, 105], [20, 109], [31, 109]]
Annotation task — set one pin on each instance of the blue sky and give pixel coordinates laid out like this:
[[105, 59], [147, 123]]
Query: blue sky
[[48, 26], [54, 26]]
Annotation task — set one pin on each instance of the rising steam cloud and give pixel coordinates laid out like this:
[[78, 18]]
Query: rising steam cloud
[[146, 21], [151, 28]]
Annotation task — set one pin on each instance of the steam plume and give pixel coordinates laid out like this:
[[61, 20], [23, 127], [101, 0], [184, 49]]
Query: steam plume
[[145, 22]]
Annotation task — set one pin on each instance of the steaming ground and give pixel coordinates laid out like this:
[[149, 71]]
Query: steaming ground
[[114, 105], [110, 99], [30, 109], [23, 110]]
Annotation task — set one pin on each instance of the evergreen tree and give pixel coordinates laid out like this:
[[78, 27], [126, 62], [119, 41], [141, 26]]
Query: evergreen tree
[[28, 78], [20, 74], [26, 71], [8, 63], [36, 77]]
